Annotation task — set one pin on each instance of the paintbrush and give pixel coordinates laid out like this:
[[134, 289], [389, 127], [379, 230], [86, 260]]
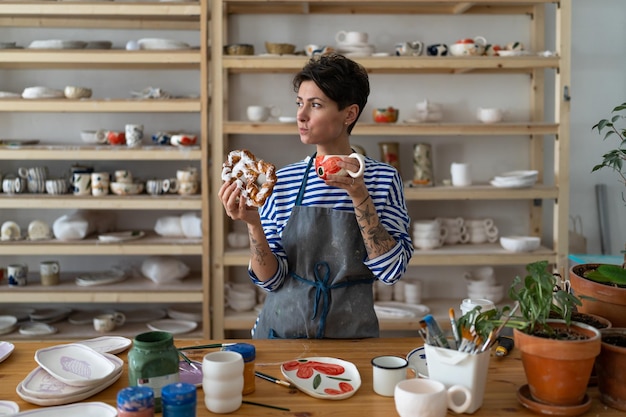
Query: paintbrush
[[210, 346], [186, 359], [266, 405], [455, 329], [273, 379]]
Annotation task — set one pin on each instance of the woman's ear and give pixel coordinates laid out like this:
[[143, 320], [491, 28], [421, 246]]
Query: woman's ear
[[352, 112]]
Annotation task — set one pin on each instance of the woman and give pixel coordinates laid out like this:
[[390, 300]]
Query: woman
[[318, 246]]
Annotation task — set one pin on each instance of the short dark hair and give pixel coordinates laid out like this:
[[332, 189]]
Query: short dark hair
[[341, 79]]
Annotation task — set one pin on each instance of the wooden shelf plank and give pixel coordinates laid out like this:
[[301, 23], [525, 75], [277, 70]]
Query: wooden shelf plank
[[101, 105], [64, 152], [480, 192], [151, 244], [404, 129], [394, 64], [101, 9], [108, 202]]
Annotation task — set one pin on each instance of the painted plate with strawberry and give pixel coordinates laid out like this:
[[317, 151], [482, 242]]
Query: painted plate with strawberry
[[324, 378]]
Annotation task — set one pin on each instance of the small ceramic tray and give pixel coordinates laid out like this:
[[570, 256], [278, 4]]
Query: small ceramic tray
[[172, 326], [107, 344], [324, 378], [75, 364], [395, 309], [40, 384], [8, 408], [91, 409], [6, 348]]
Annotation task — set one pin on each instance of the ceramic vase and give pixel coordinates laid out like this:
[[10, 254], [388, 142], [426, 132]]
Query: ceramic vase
[[422, 165]]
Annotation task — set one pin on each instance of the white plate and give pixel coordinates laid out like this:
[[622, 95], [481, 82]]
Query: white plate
[[56, 44], [397, 310], [172, 326], [41, 385], [512, 53], [107, 344], [513, 184], [417, 361], [37, 329], [100, 278], [522, 174], [10, 231], [191, 312], [8, 408], [50, 315], [42, 92], [287, 119], [75, 364], [121, 236], [7, 324], [325, 378], [9, 94], [187, 373], [91, 409], [6, 348], [145, 315]]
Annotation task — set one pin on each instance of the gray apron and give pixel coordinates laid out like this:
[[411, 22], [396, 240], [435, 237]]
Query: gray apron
[[328, 290]]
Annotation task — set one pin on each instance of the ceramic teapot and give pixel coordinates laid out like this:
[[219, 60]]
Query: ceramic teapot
[[414, 48], [469, 46]]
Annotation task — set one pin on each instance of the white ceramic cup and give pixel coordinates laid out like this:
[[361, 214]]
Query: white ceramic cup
[[108, 322], [387, 372], [222, 381], [18, 275], [187, 174], [440, 232], [81, 183], [413, 292], [420, 397], [100, 178], [134, 135], [351, 37], [261, 113], [56, 186], [123, 175], [460, 173], [427, 242], [50, 272]]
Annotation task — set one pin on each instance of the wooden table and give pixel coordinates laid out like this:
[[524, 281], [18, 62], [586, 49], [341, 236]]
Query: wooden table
[[504, 377]]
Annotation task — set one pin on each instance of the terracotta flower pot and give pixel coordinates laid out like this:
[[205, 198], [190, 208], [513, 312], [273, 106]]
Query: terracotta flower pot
[[607, 301], [558, 371], [610, 367]]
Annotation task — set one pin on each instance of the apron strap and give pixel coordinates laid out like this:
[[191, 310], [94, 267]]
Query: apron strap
[[304, 180], [322, 289]]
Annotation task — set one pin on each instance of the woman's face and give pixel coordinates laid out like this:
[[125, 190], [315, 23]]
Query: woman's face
[[320, 122]]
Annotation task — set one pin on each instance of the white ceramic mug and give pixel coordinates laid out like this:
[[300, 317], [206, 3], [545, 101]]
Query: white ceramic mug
[[56, 186], [18, 275], [420, 397], [134, 135], [108, 322], [222, 381], [50, 273], [187, 174], [387, 372], [351, 37], [460, 173], [81, 183]]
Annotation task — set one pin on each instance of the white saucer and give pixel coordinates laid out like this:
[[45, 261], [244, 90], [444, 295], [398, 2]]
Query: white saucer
[[50, 315], [9, 408], [9, 94], [91, 409], [173, 326], [10, 231], [56, 44], [37, 329], [107, 344], [6, 348], [42, 92], [287, 119], [21, 313]]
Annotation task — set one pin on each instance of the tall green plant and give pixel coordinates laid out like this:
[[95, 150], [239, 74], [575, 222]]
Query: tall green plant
[[538, 297], [615, 158]]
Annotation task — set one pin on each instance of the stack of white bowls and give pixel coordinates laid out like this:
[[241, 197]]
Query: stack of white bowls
[[481, 283], [515, 179], [481, 230], [241, 296], [428, 234], [455, 230]]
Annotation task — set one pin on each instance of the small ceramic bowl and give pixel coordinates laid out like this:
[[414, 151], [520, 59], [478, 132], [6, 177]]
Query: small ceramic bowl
[[93, 136], [239, 49], [73, 92], [126, 188], [280, 48], [385, 115], [520, 243]]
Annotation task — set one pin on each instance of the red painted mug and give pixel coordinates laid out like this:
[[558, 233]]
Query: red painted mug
[[327, 165]]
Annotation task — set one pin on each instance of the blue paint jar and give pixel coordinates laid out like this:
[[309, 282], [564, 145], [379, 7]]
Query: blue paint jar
[[179, 400]]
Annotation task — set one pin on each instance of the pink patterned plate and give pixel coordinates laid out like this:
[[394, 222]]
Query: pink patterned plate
[[324, 378], [75, 364]]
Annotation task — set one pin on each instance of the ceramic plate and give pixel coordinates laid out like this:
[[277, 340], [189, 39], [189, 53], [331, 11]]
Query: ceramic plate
[[325, 378], [18, 142], [107, 344], [121, 236], [6, 348], [517, 175], [396, 310], [37, 329], [417, 361], [9, 94], [50, 315], [8, 408], [514, 184], [145, 315], [41, 385], [21, 313], [100, 278], [7, 324], [91, 409], [188, 374], [189, 312], [75, 364], [172, 326], [287, 119]]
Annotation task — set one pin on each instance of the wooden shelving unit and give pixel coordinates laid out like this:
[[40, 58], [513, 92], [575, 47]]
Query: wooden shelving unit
[[537, 126], [112, 16]]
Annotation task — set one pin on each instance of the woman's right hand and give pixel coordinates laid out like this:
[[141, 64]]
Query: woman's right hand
[[235, 205]]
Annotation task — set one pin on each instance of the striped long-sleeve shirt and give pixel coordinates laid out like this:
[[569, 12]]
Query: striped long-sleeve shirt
[[385, 187]]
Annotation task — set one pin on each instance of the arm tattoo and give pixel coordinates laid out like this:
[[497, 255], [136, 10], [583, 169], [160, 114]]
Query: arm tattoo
[[379, 239], [364, 214], [257, 252]]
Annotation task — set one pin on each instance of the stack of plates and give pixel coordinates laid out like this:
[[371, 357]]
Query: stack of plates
[[398, 310], [69, 373], [7, 324], [515, 179], [355, 50], [37, 329], [50, 315]]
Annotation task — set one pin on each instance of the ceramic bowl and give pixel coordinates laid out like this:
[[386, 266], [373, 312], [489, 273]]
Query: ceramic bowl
[[239, 49], [93, 136], [74, 92], [280, 48], [161, 44], [7, 324], [385, 115], [489, 114], [183, 139], [126, 188], [520, 243]]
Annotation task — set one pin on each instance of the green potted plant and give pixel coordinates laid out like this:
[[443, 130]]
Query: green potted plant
[[602, 287], [557, 354]]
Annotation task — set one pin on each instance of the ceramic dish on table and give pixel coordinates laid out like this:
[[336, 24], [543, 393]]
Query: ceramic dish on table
[[6, 348], [323, 377], [9, 408], [75, 364], [91, 409], [417, 361], [190, 374]]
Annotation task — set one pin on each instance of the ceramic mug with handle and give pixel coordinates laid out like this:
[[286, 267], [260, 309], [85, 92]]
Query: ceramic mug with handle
[[327, 165]]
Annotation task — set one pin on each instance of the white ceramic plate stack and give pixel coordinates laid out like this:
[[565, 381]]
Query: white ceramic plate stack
[[159, 44], [515, 179], [56, 44], [355, 50], [7, 324], [398, 310], [69, 373], [107, 344]]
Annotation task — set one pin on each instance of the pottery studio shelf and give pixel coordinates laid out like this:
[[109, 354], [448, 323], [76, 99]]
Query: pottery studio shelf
[[65, 152]]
